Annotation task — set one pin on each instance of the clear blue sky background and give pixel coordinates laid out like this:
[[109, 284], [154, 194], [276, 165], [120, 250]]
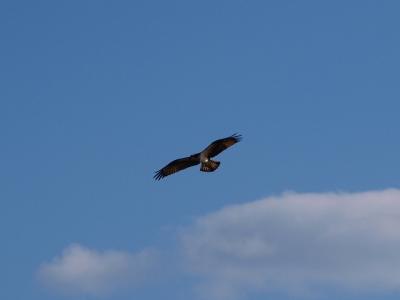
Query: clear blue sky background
[[97, 95]]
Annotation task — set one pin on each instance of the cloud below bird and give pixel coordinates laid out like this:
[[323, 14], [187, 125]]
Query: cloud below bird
[[289, 243], [298, 242], [80, 270]]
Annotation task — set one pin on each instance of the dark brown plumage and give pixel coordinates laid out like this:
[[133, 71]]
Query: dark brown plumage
[[203, 158]]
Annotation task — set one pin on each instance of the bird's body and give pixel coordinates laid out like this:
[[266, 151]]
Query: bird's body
[[203, 158]]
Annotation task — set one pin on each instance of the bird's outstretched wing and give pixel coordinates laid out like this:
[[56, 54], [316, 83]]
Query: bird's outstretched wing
[[178, 165], [218, 146]]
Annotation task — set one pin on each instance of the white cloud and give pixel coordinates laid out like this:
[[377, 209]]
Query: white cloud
[[86, 271], [298, 242]]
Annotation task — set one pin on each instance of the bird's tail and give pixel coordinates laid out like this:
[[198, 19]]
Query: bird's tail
[[209, 166]]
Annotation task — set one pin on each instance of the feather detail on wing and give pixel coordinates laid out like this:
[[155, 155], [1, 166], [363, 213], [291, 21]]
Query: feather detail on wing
[[218, 146], [177, 165]]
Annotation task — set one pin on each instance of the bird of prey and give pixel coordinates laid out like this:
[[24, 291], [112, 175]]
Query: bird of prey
[[203, 158]]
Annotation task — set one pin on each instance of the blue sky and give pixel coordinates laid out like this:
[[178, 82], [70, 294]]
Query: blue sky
[[96, 96]]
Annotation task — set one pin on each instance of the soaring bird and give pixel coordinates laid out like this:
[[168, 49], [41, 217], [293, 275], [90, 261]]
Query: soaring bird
[[203, 158]]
